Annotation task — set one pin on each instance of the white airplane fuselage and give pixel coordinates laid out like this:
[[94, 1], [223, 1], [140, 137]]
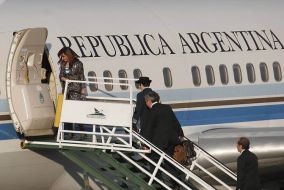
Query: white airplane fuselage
[[219, 65]]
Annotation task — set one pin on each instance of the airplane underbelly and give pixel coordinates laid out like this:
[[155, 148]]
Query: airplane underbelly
[[37, 170], [24, 169]]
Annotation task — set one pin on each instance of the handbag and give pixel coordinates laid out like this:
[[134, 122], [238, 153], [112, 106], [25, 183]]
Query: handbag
[[179, 153], [184, 152]]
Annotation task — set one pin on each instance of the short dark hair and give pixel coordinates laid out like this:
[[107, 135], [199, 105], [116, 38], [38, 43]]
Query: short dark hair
[[244, 142], [152, 96]]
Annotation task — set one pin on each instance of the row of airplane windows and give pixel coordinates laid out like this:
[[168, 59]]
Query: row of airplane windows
[[121, 74], [237, 73], [196, 76]]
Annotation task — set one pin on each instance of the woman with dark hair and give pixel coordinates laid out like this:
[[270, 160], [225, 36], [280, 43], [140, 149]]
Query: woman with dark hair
[[71, 68]]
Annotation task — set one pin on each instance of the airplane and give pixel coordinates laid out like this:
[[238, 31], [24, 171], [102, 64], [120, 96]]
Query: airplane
[[218, 64]]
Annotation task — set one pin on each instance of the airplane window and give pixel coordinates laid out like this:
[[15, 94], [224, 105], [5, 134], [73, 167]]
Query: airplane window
[[195, 76], [263, 72], [210, 75], [224, 74], [250, 72], [123, 74], [237, 73], [168, 80], [108, 87], [93, 86], [277, 71], [137, 73]]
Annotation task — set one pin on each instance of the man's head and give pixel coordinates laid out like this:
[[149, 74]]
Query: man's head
[[151, 97], [243, 144], [143, 82]]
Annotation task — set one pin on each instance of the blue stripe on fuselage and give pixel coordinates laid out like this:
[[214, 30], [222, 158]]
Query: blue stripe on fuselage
[[216, 92], [200, 117], [230, 115], [7, 131]]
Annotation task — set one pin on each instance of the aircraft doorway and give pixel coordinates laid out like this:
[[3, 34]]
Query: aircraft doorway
[[29, 77], [48, 75]]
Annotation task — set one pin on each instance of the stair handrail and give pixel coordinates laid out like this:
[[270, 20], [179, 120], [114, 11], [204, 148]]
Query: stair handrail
[[169, 159], [212, 159], [135, 136]]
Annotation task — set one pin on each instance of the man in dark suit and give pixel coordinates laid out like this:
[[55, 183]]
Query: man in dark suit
[[247, 167], [140, 109], [161, 126]]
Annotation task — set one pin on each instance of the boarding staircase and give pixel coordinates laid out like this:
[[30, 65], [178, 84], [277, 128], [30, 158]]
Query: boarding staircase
[[112, 152]]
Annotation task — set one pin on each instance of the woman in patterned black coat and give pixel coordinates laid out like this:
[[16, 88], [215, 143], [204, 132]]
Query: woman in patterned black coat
[[71, 68]]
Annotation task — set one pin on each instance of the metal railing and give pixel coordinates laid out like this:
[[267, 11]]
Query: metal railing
[[202, 155], [111, 133]]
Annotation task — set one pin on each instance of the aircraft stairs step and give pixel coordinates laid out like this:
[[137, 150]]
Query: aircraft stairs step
[[111, 151], [129, 169], [114, 173]]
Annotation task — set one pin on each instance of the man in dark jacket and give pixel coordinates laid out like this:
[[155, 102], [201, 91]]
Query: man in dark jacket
[[161, 126], [140, 109], [247, 167]]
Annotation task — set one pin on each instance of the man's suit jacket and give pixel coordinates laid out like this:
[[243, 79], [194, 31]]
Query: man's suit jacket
[[141, 107], [247, 171], [161, 127]]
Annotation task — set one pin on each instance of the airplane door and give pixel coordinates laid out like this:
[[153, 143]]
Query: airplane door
[[31, 107]]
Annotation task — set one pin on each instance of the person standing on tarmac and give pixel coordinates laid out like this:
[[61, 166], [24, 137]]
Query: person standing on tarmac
[[247, 167], [141, 109]]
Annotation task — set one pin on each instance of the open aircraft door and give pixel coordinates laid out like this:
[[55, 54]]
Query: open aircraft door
[[31, 107]]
